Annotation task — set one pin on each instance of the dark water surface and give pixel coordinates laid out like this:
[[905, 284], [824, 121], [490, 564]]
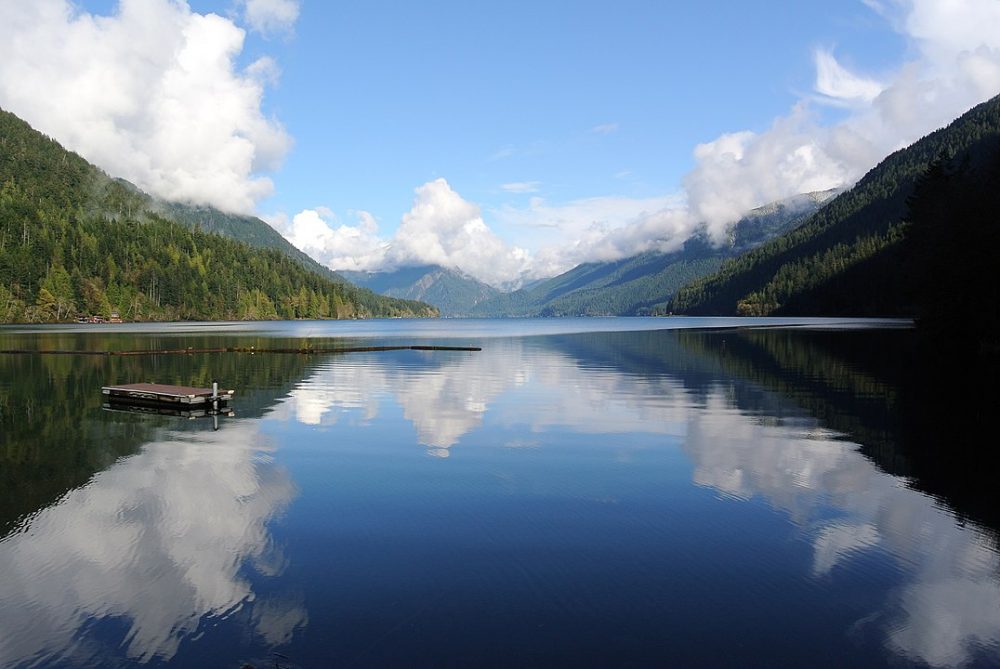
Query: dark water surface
[[565, 497]]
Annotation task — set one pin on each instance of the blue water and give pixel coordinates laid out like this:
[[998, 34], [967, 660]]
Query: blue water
[[587, 492]]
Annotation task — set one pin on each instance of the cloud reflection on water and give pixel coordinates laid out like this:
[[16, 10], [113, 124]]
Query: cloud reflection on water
[[160, 541], [944, 611], [949, 601], [164, 540]]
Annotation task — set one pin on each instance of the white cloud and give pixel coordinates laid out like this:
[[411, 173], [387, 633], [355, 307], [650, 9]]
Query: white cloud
[[442, 228], [501, 154], [956, 67], [270, 16], [343, 246], [151, 93], [740, 171], [836, 82]]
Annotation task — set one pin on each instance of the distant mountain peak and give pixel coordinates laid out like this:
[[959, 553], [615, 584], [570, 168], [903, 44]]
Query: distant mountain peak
[[452, 291]]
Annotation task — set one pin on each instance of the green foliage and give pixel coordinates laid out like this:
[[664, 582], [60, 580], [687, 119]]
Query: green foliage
[[842, 259], [951, 247], [72, 239], [53, 434]]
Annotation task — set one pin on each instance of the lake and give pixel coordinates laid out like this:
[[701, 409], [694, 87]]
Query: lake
[[580, 492]]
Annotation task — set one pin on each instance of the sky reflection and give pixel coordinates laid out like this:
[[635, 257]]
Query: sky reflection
[[946, 608], [160, 541], [587, 479]]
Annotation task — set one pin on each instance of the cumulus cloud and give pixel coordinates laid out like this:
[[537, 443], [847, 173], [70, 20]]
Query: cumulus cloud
[[152, 92], [743, 170], [442, 228], [337, 245], [956, 66]]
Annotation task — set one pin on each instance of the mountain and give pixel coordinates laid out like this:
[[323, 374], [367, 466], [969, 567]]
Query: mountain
[[950, 251], [642, 283], [850, 257], [123, 199], [451, 291], [248, 229], [72, 240]]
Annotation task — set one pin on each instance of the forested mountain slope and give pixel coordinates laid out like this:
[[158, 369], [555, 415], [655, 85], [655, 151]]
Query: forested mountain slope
[[848, 257], [74, 240], [248, 229]]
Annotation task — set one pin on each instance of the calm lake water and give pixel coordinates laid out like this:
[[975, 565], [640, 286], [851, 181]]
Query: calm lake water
[[578, 493]]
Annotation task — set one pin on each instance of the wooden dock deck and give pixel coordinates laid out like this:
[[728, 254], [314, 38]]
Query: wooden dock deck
[[159, 393]]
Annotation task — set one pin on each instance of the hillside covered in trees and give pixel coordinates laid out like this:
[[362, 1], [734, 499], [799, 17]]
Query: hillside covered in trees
[[950, 253], [73, 240], [857, 256]]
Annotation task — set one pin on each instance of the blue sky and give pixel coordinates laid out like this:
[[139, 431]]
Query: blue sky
[[509, 140], [579, 99]]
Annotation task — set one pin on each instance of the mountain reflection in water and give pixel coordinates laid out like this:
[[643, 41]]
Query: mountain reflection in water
[[571, 509]]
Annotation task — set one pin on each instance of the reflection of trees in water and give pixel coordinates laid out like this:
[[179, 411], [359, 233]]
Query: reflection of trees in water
[[885, 393], [53, 434], [773, 410], [840, 378], [943, 610], [759, 414], [769, 414], [765, 413], [148, 520], [858, 383]]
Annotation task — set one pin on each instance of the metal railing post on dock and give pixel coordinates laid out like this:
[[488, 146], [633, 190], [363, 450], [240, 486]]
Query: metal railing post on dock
[[215, 405]]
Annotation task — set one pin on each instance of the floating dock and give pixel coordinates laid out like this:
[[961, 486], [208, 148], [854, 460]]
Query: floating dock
[[161, 394]]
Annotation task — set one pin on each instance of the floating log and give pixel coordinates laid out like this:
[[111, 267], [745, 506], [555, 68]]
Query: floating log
[[242, 349]]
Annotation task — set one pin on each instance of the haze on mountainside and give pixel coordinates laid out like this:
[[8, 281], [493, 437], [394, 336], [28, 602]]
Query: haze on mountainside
[[174, 100], [632, 286]]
